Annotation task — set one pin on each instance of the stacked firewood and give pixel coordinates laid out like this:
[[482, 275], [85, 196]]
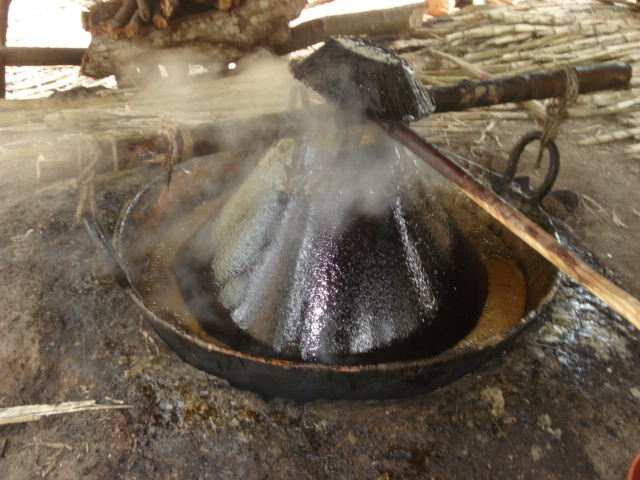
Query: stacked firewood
[[124, 18], [131, 34]]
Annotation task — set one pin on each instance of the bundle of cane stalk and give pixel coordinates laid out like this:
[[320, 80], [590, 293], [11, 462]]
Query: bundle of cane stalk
[[490, 41]]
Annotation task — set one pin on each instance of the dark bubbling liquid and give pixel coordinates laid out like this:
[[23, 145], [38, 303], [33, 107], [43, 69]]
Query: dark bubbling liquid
[[503, 308], [505, 303]]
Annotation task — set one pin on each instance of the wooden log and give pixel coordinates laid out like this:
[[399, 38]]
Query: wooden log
[[534, 86], [168, 7], [157, 17], [222, 36], [145, 8], [375, 22], [4, 20], [121, 18], [223, 4]]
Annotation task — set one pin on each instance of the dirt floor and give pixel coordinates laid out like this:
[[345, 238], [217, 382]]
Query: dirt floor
[[562, 403]]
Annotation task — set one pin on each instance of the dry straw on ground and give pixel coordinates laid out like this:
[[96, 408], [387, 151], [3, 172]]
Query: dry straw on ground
[[30, 413]]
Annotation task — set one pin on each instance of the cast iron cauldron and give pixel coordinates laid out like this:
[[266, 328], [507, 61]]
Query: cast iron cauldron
[[204, 181]]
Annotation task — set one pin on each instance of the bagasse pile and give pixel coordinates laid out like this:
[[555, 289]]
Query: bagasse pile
[[477, 42], [490, 41]]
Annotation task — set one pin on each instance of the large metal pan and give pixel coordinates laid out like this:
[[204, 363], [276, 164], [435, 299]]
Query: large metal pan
[[155, 209]]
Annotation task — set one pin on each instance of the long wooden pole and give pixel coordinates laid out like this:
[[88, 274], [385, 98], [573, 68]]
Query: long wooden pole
[[4, 24], [212, 138], [528, 231], [532, 86], [40, 56], [373, 22]]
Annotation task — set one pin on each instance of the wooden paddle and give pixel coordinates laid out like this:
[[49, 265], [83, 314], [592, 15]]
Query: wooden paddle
[[619, 300]]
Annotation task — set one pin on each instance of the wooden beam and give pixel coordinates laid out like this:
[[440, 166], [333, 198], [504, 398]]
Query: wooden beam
[[375, 22], [40, 56], [4, 24]]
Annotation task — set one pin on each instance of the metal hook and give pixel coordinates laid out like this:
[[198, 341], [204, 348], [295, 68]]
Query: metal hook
[[552, 172]]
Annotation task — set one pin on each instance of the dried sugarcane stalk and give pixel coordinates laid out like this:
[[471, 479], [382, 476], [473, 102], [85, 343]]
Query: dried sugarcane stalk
[[572, 35], [627, 3], [534, 107], [29, 413], [611, 137], [512, 52], [633, 148]]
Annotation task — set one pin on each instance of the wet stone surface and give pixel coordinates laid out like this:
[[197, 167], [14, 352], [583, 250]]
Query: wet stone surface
[[562, 403]]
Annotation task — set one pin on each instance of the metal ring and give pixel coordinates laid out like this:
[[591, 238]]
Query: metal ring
[[552, 172]]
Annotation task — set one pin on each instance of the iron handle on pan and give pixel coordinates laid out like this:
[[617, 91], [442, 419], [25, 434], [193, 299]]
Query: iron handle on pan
[[536, 195]]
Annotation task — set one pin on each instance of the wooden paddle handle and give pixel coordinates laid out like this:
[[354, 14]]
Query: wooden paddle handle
[[619, 300], [531, 86]]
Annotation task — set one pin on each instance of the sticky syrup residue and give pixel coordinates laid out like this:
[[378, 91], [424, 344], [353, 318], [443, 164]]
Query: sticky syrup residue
[[505, 303], [158, 285]]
